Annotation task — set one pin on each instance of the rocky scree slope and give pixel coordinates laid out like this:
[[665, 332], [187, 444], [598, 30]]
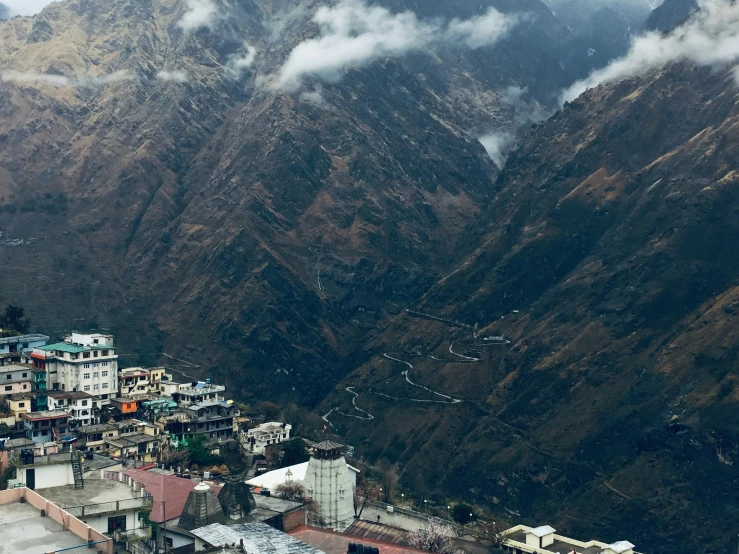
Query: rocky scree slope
[[227, 229], [608, 257]]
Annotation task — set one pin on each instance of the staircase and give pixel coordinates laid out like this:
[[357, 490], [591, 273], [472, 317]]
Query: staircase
[[79, 482]]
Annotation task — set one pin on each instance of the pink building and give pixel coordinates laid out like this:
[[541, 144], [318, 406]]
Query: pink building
[[15, 379]]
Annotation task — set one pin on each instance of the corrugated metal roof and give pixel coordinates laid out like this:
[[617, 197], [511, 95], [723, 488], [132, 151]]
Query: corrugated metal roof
[[257, 537]]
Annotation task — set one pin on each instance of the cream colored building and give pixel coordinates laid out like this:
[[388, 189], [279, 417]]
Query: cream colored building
[[545, 540]]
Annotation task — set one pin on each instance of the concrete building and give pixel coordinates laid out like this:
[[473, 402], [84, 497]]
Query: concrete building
[[212, 419], [40, 472], [45, 426], [92, 437], [31, 524], [106, 506], [139, 381], [19, 405], [545, 540], [136, 440], [15, 379], [197, 393], [266, 434], [21, 343], [81, 406], [329, 482], [85, 363]]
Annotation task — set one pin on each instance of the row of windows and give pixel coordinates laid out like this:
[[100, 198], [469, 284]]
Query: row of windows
[[10, 375], [86, 388], [104, 364], [94, 375], [10, 387]]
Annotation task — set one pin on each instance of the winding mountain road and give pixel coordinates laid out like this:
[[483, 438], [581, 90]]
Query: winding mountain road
[[406, 374]]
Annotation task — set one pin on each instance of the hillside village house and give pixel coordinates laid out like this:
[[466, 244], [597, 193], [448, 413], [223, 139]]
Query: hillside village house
[[139, 381], [523, 539], [79, 405], [196, 393], [15, 379], [19, 405], [45, 426], [21, 343], [266, 434], [85, 363]]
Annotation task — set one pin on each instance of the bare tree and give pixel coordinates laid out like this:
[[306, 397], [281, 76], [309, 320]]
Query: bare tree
[[437, 537], [365, 491], [296, 492]]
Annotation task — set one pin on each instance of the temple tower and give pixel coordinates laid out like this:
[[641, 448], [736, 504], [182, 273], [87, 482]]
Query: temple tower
[[329, 483]]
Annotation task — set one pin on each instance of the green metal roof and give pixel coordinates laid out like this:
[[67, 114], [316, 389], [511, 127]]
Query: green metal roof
[[72, 348]]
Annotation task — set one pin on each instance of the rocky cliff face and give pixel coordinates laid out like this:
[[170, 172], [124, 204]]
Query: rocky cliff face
[[609, 261], [148, 187]]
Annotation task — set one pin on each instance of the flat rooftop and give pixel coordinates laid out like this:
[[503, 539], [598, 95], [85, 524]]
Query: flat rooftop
[[72, 395], [23, 338], [557, 545], [331, 542], [24, 531], [96, 491], [51, 414]]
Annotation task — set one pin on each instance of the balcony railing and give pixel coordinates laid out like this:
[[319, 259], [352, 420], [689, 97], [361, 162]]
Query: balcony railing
[[133, 535], [110, 507]]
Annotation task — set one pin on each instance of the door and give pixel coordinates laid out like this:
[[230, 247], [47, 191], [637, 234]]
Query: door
[[31, 478], [116, 523]]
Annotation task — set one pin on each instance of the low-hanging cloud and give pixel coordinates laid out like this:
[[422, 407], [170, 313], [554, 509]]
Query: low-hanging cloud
[[62, 81], [498, 145], [174, 76], [355, 34], [238, 64], [710, 38], [200, 13]]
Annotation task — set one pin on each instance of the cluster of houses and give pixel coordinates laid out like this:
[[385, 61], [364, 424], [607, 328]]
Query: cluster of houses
[[82, 450], [74, 391]]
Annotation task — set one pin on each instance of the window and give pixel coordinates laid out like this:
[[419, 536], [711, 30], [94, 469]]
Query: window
[[8, 376], [25, 345], [104, 363], [105, 353], [87, 366], [25, 386], [86, 376], [95, 374], [84, 402], [96, 353], [25, 375], [85, 354], [95, 364], [95, 387], [105, 373], [35, 433], [21, 404], [8, 387], [87, 388], [105, 385], [45, 433]]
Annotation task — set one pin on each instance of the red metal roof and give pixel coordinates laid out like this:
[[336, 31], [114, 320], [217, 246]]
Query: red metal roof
[[171, 489]]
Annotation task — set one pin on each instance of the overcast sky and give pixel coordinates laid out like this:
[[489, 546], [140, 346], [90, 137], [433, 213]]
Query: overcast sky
[[26, 7]]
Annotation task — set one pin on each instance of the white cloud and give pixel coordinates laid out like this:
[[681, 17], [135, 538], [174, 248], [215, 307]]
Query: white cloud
[[60, 81], [200, 13], [483, 30], [176, 76], [315, 97], [498, 145], [26, 7], [238, 64], [355, 34], [710, 38]]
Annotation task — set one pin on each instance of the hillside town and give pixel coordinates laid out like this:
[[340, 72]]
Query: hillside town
[[131, 460]]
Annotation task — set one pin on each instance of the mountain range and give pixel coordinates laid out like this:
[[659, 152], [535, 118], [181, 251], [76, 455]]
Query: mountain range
[[521, 306]]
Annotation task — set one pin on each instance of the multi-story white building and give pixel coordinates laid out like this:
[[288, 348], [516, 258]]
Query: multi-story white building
[[265, 434], [85, 363], [79, 405]]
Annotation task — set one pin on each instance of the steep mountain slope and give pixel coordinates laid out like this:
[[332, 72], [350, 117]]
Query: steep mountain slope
[[609, 260], [671, 14], [152, 185]]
